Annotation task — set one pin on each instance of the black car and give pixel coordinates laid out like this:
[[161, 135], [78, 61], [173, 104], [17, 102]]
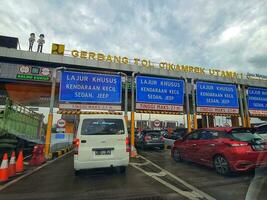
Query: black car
[[149, 139]]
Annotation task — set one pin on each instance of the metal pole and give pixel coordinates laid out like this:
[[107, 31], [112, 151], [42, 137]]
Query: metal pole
[[187, 106], [132, 115], [241, 107], [207, 118], [194, 104], [246, 107], [50, 115], [126, 97]]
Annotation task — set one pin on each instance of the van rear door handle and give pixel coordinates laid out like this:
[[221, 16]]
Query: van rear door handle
[[83, 141]]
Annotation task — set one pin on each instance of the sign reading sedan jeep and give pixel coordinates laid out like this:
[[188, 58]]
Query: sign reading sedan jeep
[[257, 101], [216, 98], [152, 92], [90, 88]]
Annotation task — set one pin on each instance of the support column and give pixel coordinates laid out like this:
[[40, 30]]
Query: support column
[[187, 107], [211, 121], [204, 121], [194, 105], [235, 121], [246, 108], [241, 106]]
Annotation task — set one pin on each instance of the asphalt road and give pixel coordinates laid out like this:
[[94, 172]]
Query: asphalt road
[[234, 187], [57, 181]]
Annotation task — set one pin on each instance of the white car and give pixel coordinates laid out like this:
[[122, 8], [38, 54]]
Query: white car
[[102, 141]]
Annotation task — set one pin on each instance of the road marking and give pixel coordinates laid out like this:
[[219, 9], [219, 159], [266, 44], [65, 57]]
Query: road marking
[[195, 194], [31, 172]]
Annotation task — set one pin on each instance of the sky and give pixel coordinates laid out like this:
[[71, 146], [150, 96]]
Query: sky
[[227, 35]]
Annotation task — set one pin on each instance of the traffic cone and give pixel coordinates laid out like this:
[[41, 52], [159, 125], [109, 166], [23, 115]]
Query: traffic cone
[[4, 174], [133, 152], [12, 165], [19, 163]]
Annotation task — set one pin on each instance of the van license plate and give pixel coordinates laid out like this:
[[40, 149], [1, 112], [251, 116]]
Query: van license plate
[[102, 152]]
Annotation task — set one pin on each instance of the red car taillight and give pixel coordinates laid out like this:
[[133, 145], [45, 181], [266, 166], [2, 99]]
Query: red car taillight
[[76, 144], [147, 138], [127, 142]]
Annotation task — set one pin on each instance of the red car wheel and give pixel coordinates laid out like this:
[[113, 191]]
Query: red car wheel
[[221, 165]]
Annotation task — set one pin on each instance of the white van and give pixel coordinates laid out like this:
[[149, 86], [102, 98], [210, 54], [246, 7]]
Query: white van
[[102, 141]]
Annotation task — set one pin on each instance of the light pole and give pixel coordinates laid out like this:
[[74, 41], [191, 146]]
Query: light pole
[[50, 115]]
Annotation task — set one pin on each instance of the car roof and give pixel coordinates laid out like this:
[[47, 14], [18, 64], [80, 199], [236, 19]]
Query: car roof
[[224, 129]]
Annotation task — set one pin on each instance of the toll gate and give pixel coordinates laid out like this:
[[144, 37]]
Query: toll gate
[[59, 82], [36, 70]]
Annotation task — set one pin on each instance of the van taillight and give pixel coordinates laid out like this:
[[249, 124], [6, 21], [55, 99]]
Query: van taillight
[[76, 144], [127, 142]]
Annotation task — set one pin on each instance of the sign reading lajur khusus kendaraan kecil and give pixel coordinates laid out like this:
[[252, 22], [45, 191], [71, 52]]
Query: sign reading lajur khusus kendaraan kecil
[[216, 98], [257, 101], [90, 88]]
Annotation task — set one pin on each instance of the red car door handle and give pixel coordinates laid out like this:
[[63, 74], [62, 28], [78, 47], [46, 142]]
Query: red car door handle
[[194, 145], [212, 145]]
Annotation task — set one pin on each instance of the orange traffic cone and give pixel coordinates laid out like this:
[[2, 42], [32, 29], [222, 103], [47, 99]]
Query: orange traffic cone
[[12, 165], [4, 169], [19, 163], [133, 152]]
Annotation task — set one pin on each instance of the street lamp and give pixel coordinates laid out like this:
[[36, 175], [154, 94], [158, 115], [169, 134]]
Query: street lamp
[[50, 115]]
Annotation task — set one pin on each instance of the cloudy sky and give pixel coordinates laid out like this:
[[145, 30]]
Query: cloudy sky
[[222, 34]]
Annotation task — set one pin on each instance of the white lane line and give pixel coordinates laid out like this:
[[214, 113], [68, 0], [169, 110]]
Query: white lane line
[[196, 191], [31, 172], [177, 190]]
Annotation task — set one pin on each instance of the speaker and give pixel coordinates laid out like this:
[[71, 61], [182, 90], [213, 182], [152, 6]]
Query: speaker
[[9, 42]]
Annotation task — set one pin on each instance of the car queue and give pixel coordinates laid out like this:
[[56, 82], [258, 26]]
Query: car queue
[[226, 149]]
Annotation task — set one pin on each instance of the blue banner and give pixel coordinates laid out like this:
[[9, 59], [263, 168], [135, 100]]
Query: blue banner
[[90, 88], [216, 95], [159, 90], [257, 98]]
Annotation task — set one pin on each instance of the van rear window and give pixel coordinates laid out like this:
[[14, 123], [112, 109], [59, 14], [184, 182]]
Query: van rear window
[[102, 127]]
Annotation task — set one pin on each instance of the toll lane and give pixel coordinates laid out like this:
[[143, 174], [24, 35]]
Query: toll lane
[[57, 181], [206, 179]]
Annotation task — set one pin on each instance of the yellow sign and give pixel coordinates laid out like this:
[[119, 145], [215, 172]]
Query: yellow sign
[[147, 63], [58, 49]]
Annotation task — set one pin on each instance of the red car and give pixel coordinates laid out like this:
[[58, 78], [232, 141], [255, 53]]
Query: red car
[[225, 149]]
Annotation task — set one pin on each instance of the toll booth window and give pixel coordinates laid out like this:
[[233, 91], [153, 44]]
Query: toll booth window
[[102, 127]]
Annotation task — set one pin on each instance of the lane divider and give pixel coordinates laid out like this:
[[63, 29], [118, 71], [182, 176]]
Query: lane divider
[[58, 153], [194, 194]]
